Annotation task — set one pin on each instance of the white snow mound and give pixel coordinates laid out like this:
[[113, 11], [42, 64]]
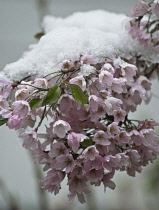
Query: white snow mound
[[98, 33]]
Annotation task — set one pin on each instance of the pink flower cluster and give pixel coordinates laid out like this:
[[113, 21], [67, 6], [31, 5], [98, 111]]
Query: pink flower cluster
[[89, 136], [144, 25]]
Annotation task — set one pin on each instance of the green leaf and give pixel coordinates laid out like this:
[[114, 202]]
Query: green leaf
[[79, 95], [35, 103], [87, 142], [52, 96], [2, 122]]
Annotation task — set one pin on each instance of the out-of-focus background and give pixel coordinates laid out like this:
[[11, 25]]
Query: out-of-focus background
[[19, 21]]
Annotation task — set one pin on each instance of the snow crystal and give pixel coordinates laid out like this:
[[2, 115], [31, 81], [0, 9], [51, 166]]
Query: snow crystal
[[98, 19], [86, 70], [98, 33]]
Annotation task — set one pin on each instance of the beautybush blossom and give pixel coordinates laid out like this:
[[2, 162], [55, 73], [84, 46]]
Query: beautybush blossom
[[89, 136]]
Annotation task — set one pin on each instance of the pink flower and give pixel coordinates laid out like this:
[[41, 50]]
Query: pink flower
[[88, 59], [6, 88], [5, 110], [41, 83], [14, 122], [144, 37], [90, 152], [150, 123], [95, 116], [74, 140], [60, 128], [108, 67], [119, 115], [118, 85], [150, 137], [67, 65], [66, 102], [140, 91], [113, 129], [21, 108], [123, 160], [140, 33], [30, 139], [41, 156], [112, 104], [110, 162], [140, 9], [22, 94], [5, 113], [95, 175], [65, 161], [144, 82], [101, 137], [52, 181], [108, 182], [94, 103], [58, 148], [136, 137], [105, 78], [155, 7], [134, 158], [79, 80], [97, 163], [128, 70], [77, 186], [124, 137]]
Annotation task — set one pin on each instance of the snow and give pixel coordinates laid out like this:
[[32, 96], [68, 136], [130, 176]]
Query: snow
[[98, 19], [86, 70], [98, 33]]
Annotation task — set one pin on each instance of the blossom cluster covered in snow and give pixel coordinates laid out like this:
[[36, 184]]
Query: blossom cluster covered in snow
[[81, 83], [143, 26]]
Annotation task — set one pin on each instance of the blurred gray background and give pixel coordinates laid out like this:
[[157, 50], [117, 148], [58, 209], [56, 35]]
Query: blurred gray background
[[19, 21]]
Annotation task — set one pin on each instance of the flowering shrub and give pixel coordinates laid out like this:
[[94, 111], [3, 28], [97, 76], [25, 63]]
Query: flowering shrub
[[144, 27], [86, 102]]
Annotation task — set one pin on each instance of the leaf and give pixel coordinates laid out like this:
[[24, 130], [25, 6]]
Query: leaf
[[35, 103], [39, 35], [52, 96], [87, 142], [79, 95], [2, 122], [86, 95]]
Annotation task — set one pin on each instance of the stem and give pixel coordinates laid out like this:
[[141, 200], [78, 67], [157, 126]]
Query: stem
[[55, 77], [41, 89], [71, 74], [60, 76], [51, 73], [49, 110], [43, 116], [148, 23], [30, 95]]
